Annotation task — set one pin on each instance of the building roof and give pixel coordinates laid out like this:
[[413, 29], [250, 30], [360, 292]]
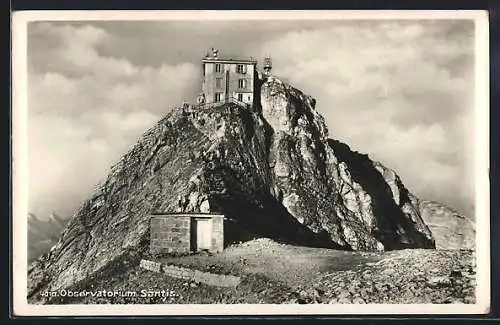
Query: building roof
[[213, 57], [186, 214], [229, 60]]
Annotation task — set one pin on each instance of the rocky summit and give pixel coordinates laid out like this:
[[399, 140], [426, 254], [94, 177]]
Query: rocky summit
[[450, 229], [271, 170]]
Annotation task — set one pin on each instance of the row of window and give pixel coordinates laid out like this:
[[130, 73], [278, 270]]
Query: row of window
[[240, 68], [242, 83], [218, 97]]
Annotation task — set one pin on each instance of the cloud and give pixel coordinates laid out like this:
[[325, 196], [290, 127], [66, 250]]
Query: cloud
[[401, 91], [87, 110]]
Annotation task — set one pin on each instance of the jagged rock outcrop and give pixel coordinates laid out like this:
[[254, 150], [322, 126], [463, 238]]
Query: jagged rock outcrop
[[272, 171], [450, 229], [327, 187]]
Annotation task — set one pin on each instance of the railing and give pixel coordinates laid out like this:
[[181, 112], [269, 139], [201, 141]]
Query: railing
[[218, 103]]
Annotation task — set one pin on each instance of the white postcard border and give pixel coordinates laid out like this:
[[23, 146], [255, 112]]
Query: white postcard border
[[21, 307]]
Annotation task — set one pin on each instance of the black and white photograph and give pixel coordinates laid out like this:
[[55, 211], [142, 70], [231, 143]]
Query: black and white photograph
[[260, 162]]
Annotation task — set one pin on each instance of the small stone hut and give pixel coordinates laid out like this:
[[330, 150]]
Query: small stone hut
[[186, 232]]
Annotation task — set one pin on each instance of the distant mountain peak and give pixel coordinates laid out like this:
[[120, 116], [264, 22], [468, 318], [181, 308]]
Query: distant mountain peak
[[43, 234], [53, 217]]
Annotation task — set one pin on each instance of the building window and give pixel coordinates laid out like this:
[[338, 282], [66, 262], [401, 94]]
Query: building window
[[218, 82], [241, 83], [218, 67], [218, 97], [240, 97], [240, 68]]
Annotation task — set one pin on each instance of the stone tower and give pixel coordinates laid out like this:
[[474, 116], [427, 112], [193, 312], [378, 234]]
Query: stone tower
[[268, 66]]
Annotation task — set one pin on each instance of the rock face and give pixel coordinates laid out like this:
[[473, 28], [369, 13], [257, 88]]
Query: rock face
[[450, 229], [329, 188], [272, 171]]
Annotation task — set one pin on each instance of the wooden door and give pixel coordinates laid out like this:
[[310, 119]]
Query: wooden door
[[203, 234]]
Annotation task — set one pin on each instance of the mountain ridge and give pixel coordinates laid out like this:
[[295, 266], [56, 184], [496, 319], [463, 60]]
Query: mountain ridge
[[272, 170]]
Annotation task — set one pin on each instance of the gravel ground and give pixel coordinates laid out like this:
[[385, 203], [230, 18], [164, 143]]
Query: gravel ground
[[275, 273], [294, 265], [408, 276], [316, 275]]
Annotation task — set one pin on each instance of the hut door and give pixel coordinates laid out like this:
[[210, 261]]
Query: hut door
[[203, 234]]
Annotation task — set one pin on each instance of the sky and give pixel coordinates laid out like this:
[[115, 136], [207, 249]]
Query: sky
[[401, 91]]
